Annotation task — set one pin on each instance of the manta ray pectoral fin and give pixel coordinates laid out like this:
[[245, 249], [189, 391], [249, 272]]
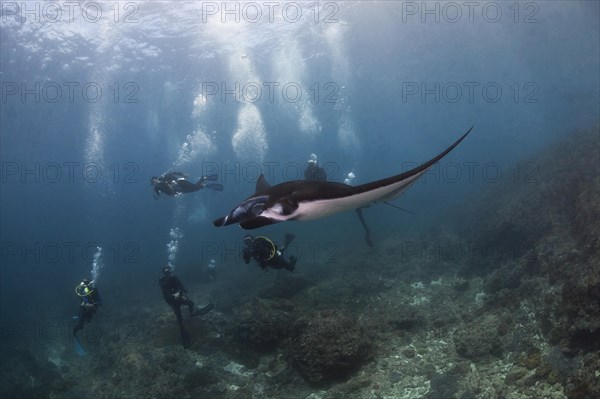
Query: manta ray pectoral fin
[[255, 223]]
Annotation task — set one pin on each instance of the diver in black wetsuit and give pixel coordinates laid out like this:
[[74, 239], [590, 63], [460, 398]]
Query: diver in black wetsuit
[[267, 254], [90, 300], [315, 173], [174, 183], [175, 295]]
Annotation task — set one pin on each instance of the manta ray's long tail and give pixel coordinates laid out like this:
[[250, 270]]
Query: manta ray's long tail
[[427, 164], [389, 188]]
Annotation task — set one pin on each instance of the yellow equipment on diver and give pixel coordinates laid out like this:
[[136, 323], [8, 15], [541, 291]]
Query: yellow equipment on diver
[[83, 290], [273, 248]]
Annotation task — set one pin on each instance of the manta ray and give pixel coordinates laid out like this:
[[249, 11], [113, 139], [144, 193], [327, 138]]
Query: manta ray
[[309, 200]]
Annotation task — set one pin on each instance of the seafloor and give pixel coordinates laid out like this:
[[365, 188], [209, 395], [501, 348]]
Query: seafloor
[[505, 306]]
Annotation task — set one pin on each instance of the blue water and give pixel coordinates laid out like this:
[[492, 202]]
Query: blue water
[[384, 87]]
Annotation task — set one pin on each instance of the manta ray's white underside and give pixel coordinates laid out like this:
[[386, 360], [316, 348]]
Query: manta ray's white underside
[[316, 209]]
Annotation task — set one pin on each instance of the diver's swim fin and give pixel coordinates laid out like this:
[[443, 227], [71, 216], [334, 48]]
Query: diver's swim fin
[[186, 341], [203, 310], [214, 186], [210, 177], [288, 239], [78, 348], [368, 239]]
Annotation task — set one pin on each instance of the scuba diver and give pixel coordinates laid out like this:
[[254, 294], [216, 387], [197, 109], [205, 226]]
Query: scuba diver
[[174, 183], [267, 254], [211, 270], [314, 172], [90, 300], [175, 295]]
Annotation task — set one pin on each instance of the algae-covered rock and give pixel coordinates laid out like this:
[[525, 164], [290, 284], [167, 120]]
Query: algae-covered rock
[[405, 317], [262, 324], [330, 348], [286, 287], [24, 376], [443, 386], [479, 338], [199, 377], [585, 383], [581, 306], [531, 360]]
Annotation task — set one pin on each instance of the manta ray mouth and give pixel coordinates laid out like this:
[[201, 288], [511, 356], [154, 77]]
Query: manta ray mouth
[[247, 210], [256, 222]]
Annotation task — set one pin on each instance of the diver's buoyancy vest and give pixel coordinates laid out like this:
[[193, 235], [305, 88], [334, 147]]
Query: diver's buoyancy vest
[[264, 249], [90, 295]]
